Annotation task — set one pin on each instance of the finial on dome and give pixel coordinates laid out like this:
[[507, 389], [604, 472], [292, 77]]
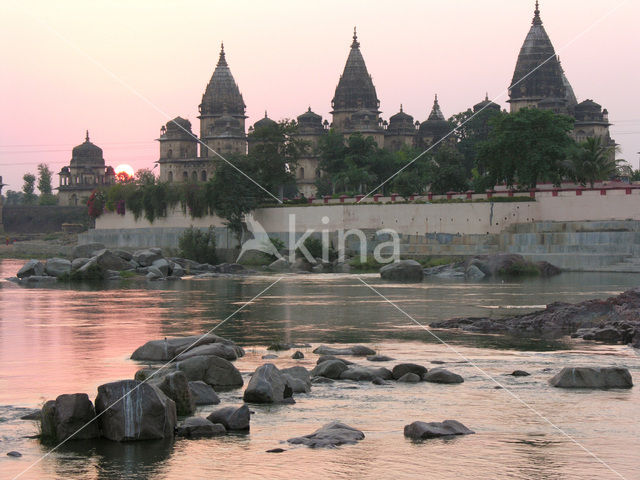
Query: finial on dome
[[222, 60], [436, 99], [401, 107], [265, 114], [355, 43], [87, 137], [309, 109], [536, 15], [486, 97]]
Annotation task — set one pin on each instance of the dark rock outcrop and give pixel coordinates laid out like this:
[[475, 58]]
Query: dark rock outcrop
[[203, 394], [69, 415], [198, 427], [233, 418], [330, 435], [424, 430], [134, 411], [404, 368], [169, 348], [442, 375], [329, 369], [592, 377], [402, 271], [216, 371], [359, 373], [268, 385], [355, 350], [176, 386]]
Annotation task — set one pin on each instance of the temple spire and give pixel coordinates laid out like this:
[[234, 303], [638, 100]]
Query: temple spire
[[355, 43], [401, 107], [222, 61], [87, 137], [536, 15]]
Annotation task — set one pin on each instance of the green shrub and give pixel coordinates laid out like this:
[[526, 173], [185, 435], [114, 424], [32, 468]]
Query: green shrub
[[197, 245], [313, 246], [429, 262], [369, 265], [523, 269]]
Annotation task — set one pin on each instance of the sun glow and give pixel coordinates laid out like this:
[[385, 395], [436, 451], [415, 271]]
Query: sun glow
[[124, 170]]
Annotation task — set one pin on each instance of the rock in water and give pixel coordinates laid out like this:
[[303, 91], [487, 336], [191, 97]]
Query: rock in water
[[145, 258], [213, 370], [198, 427], [176, 386], [63, 417], [379, 358], [355, 350], [106, 260], [13, 453], [442, 375], [358, 373], [57, 267], [168, 348], [404, 368], [402, 271], [325, 358], [228, 352], [233, 418], [31, 268], [142, 411], [520, 373], [268, 385], [203, 393], [424, 430], [409, 378], [298, 355], [329, 369], [299, 379], [330, 435], [592, 377]]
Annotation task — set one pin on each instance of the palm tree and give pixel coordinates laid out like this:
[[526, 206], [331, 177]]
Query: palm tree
[[593, 161]]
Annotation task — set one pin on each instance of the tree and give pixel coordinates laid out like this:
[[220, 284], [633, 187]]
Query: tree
[[592, 161], [144, 176], [28, 187], [274, 153], [526, 147], [447, 172], [14, 198], [44, 179]]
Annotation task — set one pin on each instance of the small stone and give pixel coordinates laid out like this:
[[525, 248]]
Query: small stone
[[520, 373], [13, 453], [276, 450], [269, 356], [298, 355], [409, 378]]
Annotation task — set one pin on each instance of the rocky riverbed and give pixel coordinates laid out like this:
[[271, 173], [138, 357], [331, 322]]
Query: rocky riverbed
[[612, 320]]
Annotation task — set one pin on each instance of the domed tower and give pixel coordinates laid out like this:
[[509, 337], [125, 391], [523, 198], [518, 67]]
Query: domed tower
[[355, 102], [261, 127], [434, 128], [486, 104], [222, 113], [401, 131], [310, 129], [86, 172], [592, 121], [179, 153], [538, 75]]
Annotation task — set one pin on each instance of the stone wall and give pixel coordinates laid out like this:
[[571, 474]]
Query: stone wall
[[42, 218]]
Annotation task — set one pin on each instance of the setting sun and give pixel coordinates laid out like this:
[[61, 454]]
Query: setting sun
[[124, 169]]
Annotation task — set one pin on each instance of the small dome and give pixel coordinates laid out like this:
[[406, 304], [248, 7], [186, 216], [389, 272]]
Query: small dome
[[264, 122], [179, 124], [401, 117], [87, 154], [309, 116], [486, 104]]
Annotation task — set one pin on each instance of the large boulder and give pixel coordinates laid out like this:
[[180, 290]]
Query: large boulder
[[233, 418], [404, 368], [145, 258], [424, 430], [592, 377], [329, 369], [409, 378], [87, 250], [402, 271], [442, 375], [134, 411], [203, 393], [31, 268], [215, 371], [280, 265], [299, 373], [198, 427], [355, 350], [69, 416], [57, 267], [169, 348], [107, 260], [359, 373], [326, 358], [78, 263], [222, 350], [162, 264], [176, 386], [330, 435], [268, 385]]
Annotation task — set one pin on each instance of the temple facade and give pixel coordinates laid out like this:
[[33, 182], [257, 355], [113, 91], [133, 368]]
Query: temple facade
[[86, 172], [538, 82]]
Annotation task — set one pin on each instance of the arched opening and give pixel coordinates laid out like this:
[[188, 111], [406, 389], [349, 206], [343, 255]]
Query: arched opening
[[170, 177], [203, 175], [185, 177], [73, 200], [169, 153], [194, 177], [301, 173]]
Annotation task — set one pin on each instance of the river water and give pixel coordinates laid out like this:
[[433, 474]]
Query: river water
[[63, 340]]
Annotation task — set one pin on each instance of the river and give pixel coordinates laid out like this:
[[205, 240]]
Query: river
[[66, 340]]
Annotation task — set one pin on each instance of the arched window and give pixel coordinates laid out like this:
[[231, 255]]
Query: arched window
[[301, 175], [203, 175], [170, 177], [194, 177], [73, 200], [185, 177], [169, 153]]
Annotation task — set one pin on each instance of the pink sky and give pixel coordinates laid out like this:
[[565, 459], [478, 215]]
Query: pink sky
[[285, 56]]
